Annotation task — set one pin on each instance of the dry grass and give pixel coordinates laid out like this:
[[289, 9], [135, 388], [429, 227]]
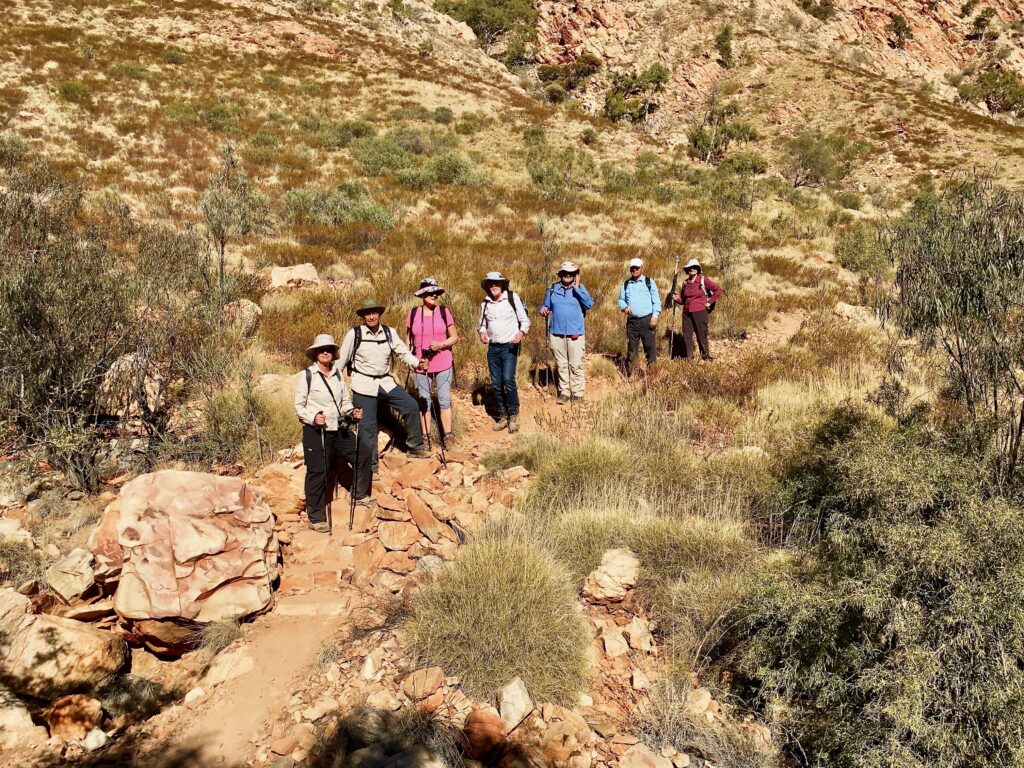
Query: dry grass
[[218, 635], [504, 608], [20, 563]]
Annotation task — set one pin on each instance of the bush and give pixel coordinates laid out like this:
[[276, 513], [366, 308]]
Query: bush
[[340, 135], [443, 115], [710, 138], [899, 31], [502, 609], [218, 635], [895, 639], [345, 203], [14, 150], [822, 10], [1002, 90], [378, 156], [445, 168], [631, 96], [723, 44], [816, 158], [570, 76], [490, 19], [859, 249], [20, 563], [557, 172]]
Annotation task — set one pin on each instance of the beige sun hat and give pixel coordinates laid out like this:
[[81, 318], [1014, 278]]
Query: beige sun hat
[[322, 341], [494, 277], [568, 268]]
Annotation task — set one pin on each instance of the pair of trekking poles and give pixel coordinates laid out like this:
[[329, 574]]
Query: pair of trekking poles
[[355, 482], [435, 411]]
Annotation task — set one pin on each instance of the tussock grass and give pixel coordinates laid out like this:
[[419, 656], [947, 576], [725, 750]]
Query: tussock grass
[[218, 635], [20, 563], [504, 608]]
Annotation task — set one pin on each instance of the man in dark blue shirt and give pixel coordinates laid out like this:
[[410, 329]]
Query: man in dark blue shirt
[[566, 303]]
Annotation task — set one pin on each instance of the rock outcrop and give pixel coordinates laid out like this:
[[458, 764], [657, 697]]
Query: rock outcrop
[[615, 576], [196, 548], [46, 656]]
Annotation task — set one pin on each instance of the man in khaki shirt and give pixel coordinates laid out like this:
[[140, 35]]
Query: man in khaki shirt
[[369, 366]]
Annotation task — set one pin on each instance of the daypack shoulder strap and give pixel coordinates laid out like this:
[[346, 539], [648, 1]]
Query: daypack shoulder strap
[[357, 339]]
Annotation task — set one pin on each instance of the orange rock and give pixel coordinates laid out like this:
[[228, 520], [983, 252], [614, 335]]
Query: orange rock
[[423, 682], [431, 703], [366, 559], [399, 562], [416, 472], [483, 731], [72, 717], [398, 536], [424, 518]]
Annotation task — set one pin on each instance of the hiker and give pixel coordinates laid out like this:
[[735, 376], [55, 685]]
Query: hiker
[[638, 299], [431, 334], [503, 323], [566, 303], [367, 350], [697, 297], [324, 407]]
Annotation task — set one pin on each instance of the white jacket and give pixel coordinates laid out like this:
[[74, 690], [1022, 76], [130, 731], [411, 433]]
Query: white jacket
[[320, 399]]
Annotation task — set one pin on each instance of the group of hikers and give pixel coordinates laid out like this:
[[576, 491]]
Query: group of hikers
[[329, 408]]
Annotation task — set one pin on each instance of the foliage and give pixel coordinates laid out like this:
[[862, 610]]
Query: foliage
[[502, 609], [345, 203], [555, 172], [231, 207], [20, 562], [79, 289], [14, 150], [859, 249], [896, 639], [631, 95], [1002, 90], [717, 129], [218, 635], [723, 44], [570, 76], [816, 158], [822, 10], [959, 261], [490, 19], [981, 24], [899, 31], [444, 168]]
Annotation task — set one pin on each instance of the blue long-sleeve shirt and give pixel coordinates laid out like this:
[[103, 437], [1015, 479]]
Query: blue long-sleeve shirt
[[643, 302], [567, 307]]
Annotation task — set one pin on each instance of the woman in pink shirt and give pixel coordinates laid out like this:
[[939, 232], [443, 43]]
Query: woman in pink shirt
[[431, 332]]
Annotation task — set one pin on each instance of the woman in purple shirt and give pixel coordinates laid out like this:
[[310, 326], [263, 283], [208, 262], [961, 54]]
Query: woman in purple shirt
[[432, 334]]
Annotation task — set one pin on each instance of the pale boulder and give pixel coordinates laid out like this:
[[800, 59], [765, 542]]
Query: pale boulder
[[244, 316], [642, 756], [514, 703], [616, 575], [130, 384], [296, 276], [197, 548], [71, 576], [16, 726], [46, 656]]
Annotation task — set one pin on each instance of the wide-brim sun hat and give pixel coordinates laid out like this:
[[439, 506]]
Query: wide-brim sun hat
[[322, 341], [691, 264], [494, 277], [369, 306], [568, 268], [427, 287], [636, 262]]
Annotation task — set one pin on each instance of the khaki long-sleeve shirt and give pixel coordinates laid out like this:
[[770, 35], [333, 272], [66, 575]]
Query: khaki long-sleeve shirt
[[371, 365], [320, 399]]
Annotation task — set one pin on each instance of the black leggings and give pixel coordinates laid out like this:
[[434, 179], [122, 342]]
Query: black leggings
[[322, 475], [696, 322]]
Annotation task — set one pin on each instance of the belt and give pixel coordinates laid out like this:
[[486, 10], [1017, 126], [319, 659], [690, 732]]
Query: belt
[[573, 336], [370, 375], [641, 317]]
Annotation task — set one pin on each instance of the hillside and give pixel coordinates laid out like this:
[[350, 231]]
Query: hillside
[[801, 552]]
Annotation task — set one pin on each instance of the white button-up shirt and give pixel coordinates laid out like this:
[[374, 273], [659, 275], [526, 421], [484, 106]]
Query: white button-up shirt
[[501, 320], [316, 398], [371, 366]]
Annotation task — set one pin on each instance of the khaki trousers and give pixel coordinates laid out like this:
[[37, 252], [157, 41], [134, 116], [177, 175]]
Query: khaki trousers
[[569, 359]]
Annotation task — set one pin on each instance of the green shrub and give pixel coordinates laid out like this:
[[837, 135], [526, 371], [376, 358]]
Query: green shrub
[[75, 91], [1002, 90], [556, 172], [554, 93], [631, 95], [502, 609], [723, 44], [816, 158], [859, 249], [570, 76], [710, 138], [897, 638], [340, 135], [345, 203], [490, 19], [445, 168], [822, 10], [589, 137], [899, 31], [221, 116], [13, 149], [443, 115], [381, 155]]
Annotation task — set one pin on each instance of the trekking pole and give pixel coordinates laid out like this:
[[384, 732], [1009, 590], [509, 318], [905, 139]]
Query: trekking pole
[[440, 426], [330, 490], [672, 328], [355, 484]]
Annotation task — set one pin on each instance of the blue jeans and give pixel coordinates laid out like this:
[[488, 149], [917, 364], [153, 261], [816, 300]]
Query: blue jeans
[[502, 359], [407, 408]]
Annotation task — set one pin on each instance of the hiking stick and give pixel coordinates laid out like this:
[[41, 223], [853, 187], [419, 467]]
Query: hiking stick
[[355, 484], [440, 426], [671, 293]]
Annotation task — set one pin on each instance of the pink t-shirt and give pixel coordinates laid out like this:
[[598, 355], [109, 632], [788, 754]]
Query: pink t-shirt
[[428, 329]]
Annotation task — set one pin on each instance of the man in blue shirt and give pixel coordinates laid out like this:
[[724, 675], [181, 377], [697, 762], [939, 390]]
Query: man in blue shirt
[[566, 303], [638, 299]]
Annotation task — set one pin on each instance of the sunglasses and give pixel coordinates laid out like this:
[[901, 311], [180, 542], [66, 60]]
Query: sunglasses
[[327, 351], [634, 269]]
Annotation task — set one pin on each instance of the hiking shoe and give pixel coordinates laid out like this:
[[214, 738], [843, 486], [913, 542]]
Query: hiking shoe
[[577, 399], [366, 501], [513, 424], [561, 400], [320, 527], [500, 424], [707, 357], [376, 475], [419, 453]]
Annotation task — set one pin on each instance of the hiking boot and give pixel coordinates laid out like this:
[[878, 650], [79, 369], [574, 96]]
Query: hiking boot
[[366, 501], [576, 399], [449, 438], [320, 527], [500, 424], [419, 453], [561, 400], [513, 424], [709, 358]]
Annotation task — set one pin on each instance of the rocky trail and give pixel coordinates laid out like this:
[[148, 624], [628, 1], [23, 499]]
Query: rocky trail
[[325, 642]]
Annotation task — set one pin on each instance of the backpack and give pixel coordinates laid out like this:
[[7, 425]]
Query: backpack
[[711, 307], [358, 339], [512, 303], [412, 322]]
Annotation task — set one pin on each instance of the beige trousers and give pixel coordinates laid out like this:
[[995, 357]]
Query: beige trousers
[[569, 358]]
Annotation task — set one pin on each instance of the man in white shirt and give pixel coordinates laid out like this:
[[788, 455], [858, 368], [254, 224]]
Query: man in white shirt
[[325, 409], [503, 324], [366, 351]]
